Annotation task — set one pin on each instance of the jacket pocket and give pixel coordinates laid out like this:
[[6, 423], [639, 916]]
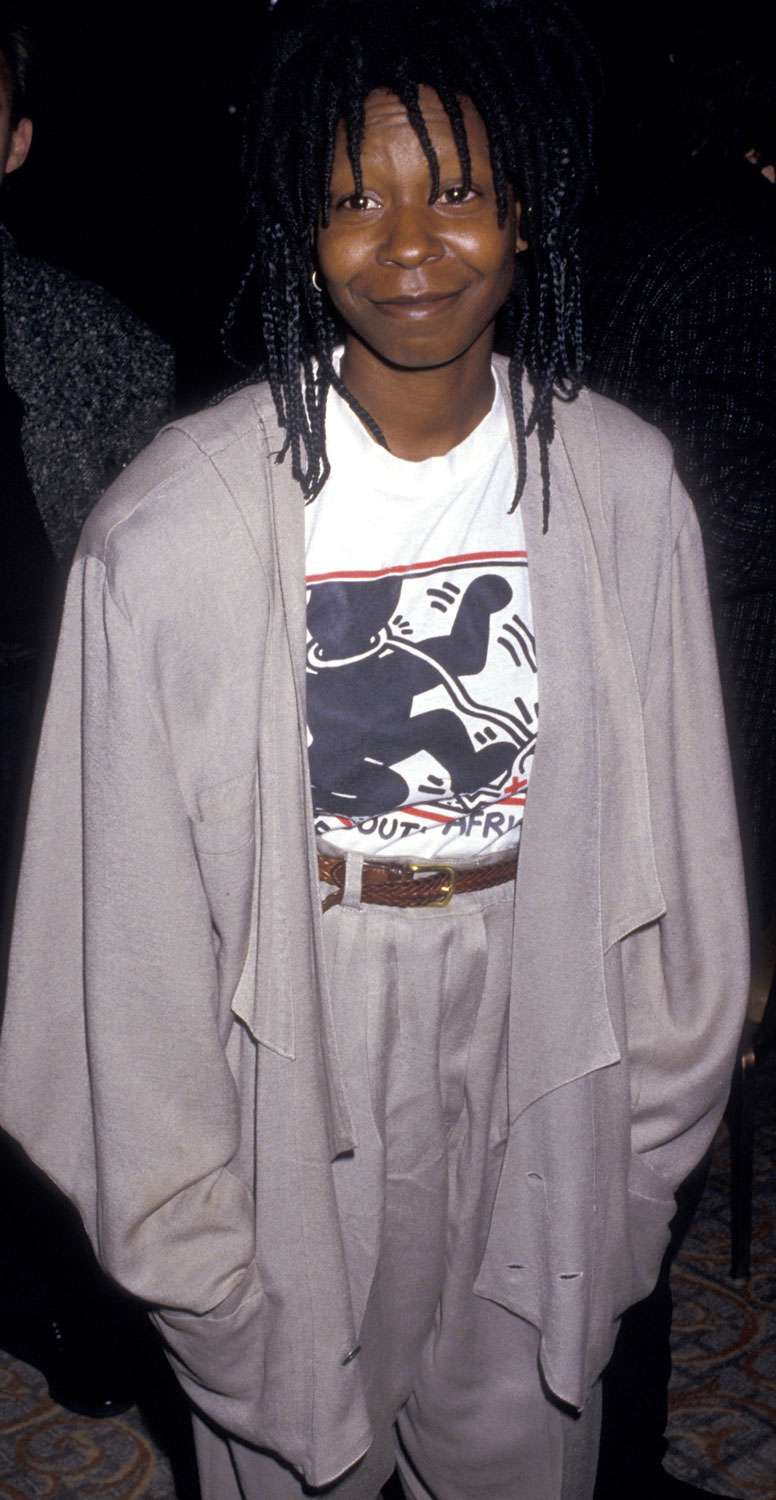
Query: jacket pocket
[[645, 1183], [209, 1345], [229, 1362], [226, 814], [651, 1206]]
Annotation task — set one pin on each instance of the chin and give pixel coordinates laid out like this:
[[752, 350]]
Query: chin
[[417, 353]]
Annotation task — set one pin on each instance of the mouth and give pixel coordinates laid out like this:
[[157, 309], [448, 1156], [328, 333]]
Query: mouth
[[417, 305]]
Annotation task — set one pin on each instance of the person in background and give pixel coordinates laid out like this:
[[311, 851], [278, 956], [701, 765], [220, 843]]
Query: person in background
[[680, 311], [83, 384], [394, 965]]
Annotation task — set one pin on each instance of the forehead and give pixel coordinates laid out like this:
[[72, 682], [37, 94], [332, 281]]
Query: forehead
[[388, 129]]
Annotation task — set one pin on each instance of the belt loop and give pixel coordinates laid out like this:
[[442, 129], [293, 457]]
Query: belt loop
[[354, 865]]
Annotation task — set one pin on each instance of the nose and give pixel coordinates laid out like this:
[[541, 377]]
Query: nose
[[409, 238]]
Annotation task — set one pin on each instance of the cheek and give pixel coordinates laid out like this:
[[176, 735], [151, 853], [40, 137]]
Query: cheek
[[489, 254], [340, 256], [495, 263]]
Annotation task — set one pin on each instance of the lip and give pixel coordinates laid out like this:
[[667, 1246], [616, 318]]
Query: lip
[[419, 305]]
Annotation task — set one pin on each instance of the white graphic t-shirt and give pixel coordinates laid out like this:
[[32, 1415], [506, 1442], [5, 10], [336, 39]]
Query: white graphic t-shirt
[[421, 663]]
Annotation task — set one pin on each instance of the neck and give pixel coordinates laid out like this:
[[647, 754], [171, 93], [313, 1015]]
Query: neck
[[422, 413]]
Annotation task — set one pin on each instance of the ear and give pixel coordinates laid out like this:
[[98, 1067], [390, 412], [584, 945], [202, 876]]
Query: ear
[[520, 243], [19, 144]]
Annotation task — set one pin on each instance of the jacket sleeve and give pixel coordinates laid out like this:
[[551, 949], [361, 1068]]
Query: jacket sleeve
[[682, 1036], [112, 1073]]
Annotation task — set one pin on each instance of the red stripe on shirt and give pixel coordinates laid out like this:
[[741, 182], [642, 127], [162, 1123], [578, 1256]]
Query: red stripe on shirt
[[421, 567]]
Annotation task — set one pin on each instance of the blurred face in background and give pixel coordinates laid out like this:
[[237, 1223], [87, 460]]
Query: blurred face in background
[[14, 138], [766, 168]]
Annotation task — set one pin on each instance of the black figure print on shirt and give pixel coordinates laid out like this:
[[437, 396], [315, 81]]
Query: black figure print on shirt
[[410, 686]]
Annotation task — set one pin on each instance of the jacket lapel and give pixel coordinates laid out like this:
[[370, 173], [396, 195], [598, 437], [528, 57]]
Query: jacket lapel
[[316, 1020], [631, 895], [283, 996], [580, 884]]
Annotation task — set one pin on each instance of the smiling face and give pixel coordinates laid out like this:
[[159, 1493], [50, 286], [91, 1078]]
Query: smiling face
[[418, 283]]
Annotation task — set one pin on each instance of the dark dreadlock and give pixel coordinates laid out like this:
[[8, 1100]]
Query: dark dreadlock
[[529, 72], [15, 64]]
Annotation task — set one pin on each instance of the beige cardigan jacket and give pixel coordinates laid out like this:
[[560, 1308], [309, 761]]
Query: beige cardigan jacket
[[168, 1053]]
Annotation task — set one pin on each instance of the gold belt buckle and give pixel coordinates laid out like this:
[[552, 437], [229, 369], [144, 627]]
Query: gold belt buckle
[[445, 896]]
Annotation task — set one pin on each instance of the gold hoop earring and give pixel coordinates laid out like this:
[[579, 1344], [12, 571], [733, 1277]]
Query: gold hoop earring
[[316, 283]]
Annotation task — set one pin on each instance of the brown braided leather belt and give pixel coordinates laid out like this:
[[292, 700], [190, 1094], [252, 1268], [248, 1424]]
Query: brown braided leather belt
[[404, 884]]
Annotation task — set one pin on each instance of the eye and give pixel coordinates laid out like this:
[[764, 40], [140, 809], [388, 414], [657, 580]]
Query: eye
[[357, 203], [457, 194]]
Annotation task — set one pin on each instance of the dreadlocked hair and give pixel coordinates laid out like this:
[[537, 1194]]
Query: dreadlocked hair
[[530, 73]]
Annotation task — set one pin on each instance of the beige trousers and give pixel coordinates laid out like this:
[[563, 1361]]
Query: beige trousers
[[453, 1386]]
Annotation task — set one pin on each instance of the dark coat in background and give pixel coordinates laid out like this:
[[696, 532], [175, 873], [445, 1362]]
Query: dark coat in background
[[681, 326], [83, 385], [95, 384]]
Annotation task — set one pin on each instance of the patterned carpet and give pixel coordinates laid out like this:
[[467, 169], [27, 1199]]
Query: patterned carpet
[[723, 1407], [723, 1419], [47, 1453]]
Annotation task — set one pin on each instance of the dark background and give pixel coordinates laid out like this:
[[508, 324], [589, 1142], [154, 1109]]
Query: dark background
[[134, 177]]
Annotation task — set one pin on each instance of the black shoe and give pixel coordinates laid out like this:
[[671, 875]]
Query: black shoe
[[668, 1487], [80, 1373]]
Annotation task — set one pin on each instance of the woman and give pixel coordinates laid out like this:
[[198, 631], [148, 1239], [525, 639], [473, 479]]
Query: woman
[[382, 1123]]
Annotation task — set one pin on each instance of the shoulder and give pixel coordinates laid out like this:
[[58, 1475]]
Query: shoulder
[[622, 467], [626, 476], [178, 505], [591, 424], [623, 442], [630, 461], [641, 518]]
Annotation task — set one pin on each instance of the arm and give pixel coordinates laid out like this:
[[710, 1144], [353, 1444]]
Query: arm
[[175, 1226], [695, 959], [111, 1071]]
